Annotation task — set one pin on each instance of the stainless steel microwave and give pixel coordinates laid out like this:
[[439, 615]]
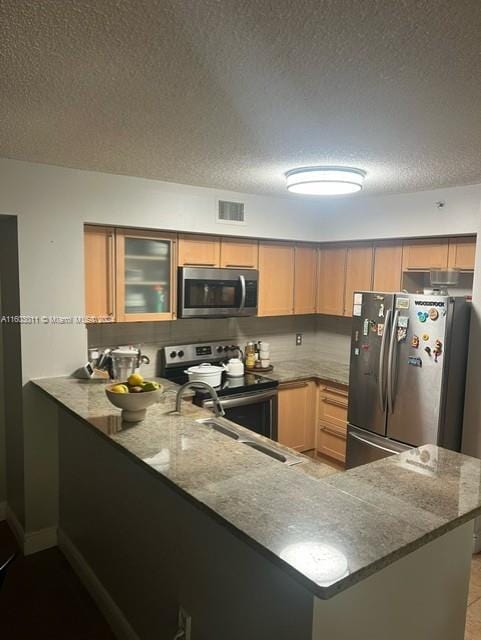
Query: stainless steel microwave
[[216, 293]]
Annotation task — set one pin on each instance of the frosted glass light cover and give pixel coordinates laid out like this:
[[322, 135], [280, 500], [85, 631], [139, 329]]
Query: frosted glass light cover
[[325, 181]]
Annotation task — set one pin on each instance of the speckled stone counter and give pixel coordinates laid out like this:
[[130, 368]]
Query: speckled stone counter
[[328, 531], [308, 369]]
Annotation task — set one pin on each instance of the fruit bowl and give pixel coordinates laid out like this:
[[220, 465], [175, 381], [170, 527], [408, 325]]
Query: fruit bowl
[[134, 405]]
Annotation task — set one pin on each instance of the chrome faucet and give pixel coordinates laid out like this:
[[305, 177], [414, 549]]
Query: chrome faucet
[[218, 408]]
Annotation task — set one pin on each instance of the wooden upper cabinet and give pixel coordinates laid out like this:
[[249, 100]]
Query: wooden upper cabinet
[[237, 253], [305, 279], [425, 254], [145, 275], [99, 269], [359, 263], [331, 280], [198, 251], [462, 253], [387, 266], [297, 415], [276, 279]]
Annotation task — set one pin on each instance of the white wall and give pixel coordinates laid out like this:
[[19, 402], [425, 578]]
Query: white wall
[[53, 203]]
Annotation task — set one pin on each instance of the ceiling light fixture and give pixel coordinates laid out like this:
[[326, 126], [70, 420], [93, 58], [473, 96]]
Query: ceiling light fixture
[[325, 181]]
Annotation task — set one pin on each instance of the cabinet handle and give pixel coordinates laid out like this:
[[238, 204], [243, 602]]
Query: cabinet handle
[[339, 392], [199, 264], [111, 267], [334, 432], [293, 385], [240, 266], [336, 403]]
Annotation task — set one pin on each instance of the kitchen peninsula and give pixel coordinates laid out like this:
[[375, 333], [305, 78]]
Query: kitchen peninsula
[[191, 517]]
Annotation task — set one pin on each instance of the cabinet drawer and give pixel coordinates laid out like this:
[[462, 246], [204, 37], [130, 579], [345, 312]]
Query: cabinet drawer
[[330, 443], [333, 412], [335, 392]]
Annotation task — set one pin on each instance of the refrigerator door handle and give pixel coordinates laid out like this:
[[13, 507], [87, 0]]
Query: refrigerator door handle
[[371, 443], [390, 367], [382, 358]]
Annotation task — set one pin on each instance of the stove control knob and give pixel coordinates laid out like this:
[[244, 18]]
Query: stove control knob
[[181, 354], [220, 349], [173, 354]]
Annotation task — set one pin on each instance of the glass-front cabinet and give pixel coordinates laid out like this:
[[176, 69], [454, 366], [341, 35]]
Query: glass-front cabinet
[[145, 268]]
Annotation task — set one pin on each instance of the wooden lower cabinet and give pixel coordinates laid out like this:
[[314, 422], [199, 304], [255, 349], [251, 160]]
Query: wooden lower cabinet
[[332, 431], [297, 415]]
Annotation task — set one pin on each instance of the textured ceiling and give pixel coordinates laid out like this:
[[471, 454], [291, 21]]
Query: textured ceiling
[[232, 93]]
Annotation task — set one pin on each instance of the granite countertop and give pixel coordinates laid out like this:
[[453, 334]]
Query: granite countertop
[[308, 369], [327, 530]]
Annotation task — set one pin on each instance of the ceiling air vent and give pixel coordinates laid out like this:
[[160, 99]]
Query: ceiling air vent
[[231, 212]]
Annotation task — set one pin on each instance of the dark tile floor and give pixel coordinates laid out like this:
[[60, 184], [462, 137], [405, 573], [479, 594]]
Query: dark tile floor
[[43, 599]]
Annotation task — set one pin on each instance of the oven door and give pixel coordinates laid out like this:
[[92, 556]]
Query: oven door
[[256, 411], [207, 292]]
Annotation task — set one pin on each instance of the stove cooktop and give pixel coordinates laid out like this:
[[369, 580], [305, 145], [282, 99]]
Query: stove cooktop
[[175, 360], [248, 383]]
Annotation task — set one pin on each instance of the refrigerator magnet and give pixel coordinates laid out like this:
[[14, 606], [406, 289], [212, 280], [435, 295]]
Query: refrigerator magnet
[[381, 310], [401, 334], [433, 314], [415, 361], [380, 330], [365, 327], [356, 351], [402, 303], [415, 342], [358, 298], [403, 321], [356, 309]]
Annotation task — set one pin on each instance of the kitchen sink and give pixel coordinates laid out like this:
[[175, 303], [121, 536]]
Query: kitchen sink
[[221, 428], [271, 450]]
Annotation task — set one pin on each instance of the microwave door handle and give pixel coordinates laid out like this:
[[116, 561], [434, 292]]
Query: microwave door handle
[[390, 366], [382, 358], [243, 292]]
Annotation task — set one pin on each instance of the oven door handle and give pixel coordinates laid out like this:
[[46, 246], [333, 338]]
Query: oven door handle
[[243, 293], [243, 400]]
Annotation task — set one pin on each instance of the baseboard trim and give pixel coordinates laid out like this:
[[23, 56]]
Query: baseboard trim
[[3, 511], [114, 616], [32, 541]]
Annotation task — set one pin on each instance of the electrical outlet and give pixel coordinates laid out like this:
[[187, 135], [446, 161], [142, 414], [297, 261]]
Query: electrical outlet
[[298, 339], [185, 623]]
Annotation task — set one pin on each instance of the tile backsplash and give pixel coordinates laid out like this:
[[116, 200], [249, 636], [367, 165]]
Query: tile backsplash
[[325, 336]]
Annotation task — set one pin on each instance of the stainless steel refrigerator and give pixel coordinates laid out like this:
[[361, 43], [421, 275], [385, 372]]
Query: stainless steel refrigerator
[[407, 373]]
